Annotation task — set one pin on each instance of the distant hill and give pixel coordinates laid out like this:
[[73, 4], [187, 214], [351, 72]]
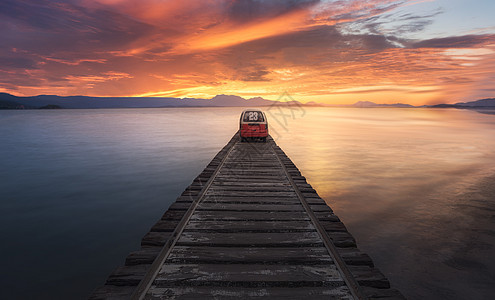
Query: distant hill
[[364, 104], [4, 104], [136, 102], [8, 101], [489, 103]]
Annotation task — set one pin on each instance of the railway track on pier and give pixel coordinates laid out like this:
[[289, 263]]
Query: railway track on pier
[[249, 226]]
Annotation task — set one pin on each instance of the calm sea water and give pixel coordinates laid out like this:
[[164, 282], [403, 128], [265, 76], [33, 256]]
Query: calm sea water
[[79, 188]]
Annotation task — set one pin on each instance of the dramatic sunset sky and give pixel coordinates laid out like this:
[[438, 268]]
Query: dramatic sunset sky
[[329, 51]]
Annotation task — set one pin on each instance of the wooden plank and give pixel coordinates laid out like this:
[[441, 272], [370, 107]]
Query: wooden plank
[[155, 238], [320, 208], [236, 156], [235, 159], [165, 225], [236, 183], [245, 188], [179, 206], [251, 180], [266, 161], [371, 277], [250, 194], [247, 275], [248, 175], [386, 294], [241, 178], [194, 188], [353, 256], [327, 216], [173, 215], [333, 226], [303, 185], [251, 200], [249, 216], [112, 292], [307, 190], [315, 201], [253, 171], [249, 207], [127, 276], [284, 239], [253, 166], [251, 226], [272, 293], [342, 239], [185, 199], [144, 256], [250, 255]]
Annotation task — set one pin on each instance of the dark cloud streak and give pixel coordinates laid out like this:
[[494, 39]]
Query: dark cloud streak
[[465, 41], [51, 28], [250, 10]]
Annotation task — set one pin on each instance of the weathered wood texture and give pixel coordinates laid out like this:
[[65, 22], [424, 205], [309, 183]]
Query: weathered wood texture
[[249, 236]]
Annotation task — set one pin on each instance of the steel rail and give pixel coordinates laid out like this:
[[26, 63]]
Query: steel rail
[[144, 285], [346, 274]]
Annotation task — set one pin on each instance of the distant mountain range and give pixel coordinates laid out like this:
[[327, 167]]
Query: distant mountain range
[[364, 104], [478, 104], [8, 101]]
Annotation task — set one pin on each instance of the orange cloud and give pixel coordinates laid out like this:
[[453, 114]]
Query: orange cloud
[[230, 34], [322, 51]]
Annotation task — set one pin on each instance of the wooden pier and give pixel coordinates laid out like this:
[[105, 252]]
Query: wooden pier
[[249, 226]]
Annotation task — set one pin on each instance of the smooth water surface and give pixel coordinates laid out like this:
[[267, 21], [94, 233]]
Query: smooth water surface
[[416, 188], [79, 188]]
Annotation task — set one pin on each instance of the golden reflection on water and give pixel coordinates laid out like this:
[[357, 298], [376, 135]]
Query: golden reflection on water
[[398, 178], [345, 149]]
